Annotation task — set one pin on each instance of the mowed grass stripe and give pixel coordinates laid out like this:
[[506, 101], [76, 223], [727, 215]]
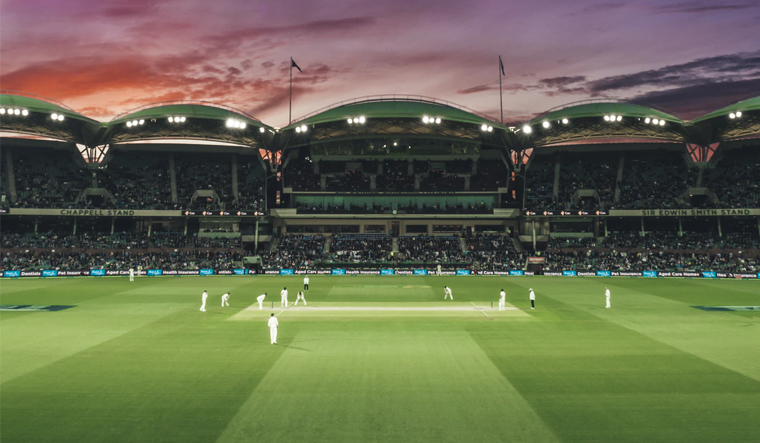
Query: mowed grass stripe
[[392, 382], [179, 379]]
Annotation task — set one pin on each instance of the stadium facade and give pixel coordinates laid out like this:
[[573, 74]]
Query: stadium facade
[[380, 183]]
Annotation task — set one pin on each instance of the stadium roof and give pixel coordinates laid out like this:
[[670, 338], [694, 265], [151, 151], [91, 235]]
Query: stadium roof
[[203, 110], [749, 105], [598, 108], [395, 106]]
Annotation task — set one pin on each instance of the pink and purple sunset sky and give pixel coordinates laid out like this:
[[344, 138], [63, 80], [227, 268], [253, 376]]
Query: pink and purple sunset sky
[[103, 57]]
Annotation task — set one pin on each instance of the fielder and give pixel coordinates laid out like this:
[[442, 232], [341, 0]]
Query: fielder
[[439, 269], [284, 298], [607, 294], [225, 299], [131, 274], [260, 299], [306, 284], [532, 299], [447, 293], [299, 296], [502, 300], [273, 323], [203, 300]]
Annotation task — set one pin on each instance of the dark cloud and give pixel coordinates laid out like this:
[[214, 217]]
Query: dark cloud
[[267, 64], [234, 71], [558, 82], [696, 100], [702, 7], [720, 68]]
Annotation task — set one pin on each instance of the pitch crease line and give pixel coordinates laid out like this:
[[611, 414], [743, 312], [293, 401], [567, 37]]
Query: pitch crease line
[[480, 310]]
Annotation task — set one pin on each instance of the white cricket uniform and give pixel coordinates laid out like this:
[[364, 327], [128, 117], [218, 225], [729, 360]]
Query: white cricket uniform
[[306, 284], [273, 324], [225, 299], [299, 296], [284, 298], [203, 299], [260, 299], [502, 301], [532, 299], [439, 269], [131, 274], [447, 293], [607, 294]]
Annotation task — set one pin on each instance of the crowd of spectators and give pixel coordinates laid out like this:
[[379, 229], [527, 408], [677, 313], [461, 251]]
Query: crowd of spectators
[[654, 180], [365, 248], [296, 251], [588, 171], [539, 186], [571, 242], [138, 181], [351, 181], [491, 175], [48, 178], [299, 175], [491, 252], [395, 177], [430, 249], [735, 179], [439, 181], [592, 260], [118, 240], [209, 172]]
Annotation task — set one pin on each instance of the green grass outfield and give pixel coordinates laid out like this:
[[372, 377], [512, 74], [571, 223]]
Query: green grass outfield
[[137, 362]]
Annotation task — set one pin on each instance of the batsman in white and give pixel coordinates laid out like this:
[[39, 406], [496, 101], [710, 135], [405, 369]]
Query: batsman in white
[[447, 293], [226, 299], [607, 294], [502, 300], [273, 324], [299, 296], [260, 299], [204, 296], [284, 298]]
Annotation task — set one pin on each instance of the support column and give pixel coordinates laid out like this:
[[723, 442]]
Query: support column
[[555, 189], [373, 182], [619, 179], [534, 234], [150, 227], [410, 167], [113, 224], [416, 182], [173, 179], [36, 224], [467, 179], [322, 182], [680, 227], [606, 232], [10, 175], [185, 233], [256, 237], [74, 231], [643, 232], [700, 174], [235, 193], [720, 228]]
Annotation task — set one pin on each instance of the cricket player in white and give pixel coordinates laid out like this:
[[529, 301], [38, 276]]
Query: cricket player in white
[[226, 299], [502, 300], [299, 296], [532, 299], [447, 293], [284, 298], [305, 285], [260, 299], [273, 323], [607, 294], [131, 274], [439, 269], [203, 299]]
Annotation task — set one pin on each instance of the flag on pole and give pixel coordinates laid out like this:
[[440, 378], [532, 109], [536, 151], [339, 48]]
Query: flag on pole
[[501, 65], [294, 65]]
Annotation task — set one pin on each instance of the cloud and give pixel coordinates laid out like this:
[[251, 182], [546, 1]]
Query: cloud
[[557, 82], [702, 7], [697, 100]]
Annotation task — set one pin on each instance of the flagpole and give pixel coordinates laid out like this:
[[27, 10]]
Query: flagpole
[[501, 102], [290, 103]]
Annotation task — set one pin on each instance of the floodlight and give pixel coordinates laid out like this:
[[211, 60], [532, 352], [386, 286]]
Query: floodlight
[[545, 124], [230, 122], [619, 117], [60, 117], [350, 121], [298, 129], [565, 121], [438, 120], [662, 122], [484, 128], [304, 128], [142, 122], [16, 111], [54, 116], [171, 119], [425, 119], [606, 118], [362, 119], [655, 122], [490, 129], [262, 130], [129, 124], [242, 125], [647, 120], [183, 119], [395, 143], [2, 111], [24, 112], [738, 114], [527, 129], [732, 115]]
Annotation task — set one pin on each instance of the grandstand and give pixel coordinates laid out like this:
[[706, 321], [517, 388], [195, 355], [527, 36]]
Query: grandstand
[[380, 182]]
